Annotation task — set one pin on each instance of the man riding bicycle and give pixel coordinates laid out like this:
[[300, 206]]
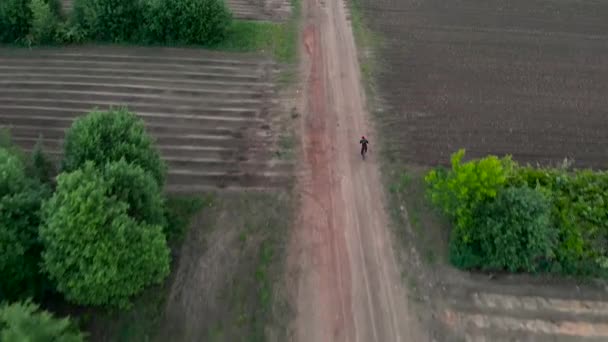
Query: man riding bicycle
[[364, 142]]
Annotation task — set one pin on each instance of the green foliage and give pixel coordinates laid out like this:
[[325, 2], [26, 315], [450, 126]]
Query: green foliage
[[108, 20], [94, 252], [109, 136], [20, 201], [179, 212], [131, 184], [186, 21], [575, 241], [15, 20], [26, 322], [580, 210], [40, 166], [44, 23], [460, 191], [512, 232]]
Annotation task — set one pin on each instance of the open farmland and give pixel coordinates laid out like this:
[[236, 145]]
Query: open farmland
[[527, 78], [210, 113]]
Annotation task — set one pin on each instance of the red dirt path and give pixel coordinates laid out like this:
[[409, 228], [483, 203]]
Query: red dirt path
[[347, 284]]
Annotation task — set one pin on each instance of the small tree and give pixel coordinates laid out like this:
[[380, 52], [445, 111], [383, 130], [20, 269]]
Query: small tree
[[20, 201], [95, 252], [110, 136], [513, 232], [26, 322]]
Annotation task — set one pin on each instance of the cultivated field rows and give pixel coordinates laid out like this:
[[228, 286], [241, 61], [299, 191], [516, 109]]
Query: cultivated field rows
[[211, 113], [522, 78]]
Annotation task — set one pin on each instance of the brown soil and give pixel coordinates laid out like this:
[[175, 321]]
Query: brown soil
[[345, 276], [526, 78]]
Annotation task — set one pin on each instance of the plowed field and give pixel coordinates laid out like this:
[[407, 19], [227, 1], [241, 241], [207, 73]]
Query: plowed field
[[210, 113], [527, 78]]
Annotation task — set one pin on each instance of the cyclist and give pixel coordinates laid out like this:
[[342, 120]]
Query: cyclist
[[364, 142]]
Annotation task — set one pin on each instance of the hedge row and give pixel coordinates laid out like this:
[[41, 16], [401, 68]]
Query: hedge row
[[521, 218], [33, 22]]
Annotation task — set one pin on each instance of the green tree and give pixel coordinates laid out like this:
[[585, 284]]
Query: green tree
[[131, 184], [20, 201], [15, 20], [44, 23], [94, 251], [26, 322], [104, 137], [512, 232]]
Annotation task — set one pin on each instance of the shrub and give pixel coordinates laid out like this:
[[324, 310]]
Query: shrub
[[15, 20], [186, 21], [44, 23], [108, 20], [460, 191], [132, 185], [104, 137], [20, 201], [26, 322], [94, 252], [513, 232], [580, 211]]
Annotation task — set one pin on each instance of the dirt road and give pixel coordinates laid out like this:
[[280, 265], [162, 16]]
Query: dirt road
[[347, 281]]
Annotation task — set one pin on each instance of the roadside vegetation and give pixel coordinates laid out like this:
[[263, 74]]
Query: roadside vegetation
[[522, 218], [204, 23], [96, 235]]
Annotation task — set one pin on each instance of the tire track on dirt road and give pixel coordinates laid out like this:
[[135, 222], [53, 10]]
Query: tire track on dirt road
[[347, 284]]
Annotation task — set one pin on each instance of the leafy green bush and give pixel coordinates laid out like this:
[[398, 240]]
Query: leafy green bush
[[460, 191], [26, 322], [44, 23], [20, 201], [512, 232], [186, 21], [104, 137], [108, 20], [131, 184], [15, 20], [94, 252], [580, 211]]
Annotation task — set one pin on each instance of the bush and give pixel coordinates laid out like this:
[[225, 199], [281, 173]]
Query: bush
[[44, 23], [94, 252], [132, 185], [108, 20], [460, 191], [15, 20], [580, 211], [513, 232], [186, 21], [104, 137], [20, 201], [26, 322]]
